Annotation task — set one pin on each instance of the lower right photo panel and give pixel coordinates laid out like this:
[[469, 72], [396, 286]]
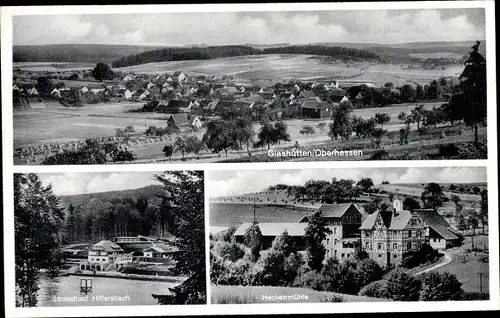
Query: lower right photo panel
[[348, 235]]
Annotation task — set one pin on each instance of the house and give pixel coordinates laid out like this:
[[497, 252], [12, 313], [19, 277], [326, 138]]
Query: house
[[55, 92], [32, 91], [315, 109], [271, 230], [253, 98], [84, 90], [180, 76], [287, 96], [344, 220], [127, 78], [176, 106], [441, 234], [387, 236], [193, 90], [306, 94], [127, 94], [200, 79], [178, 120], [226, 91], [106, 255], [144, 95], [170, 79], [96, 90], [230, 105], [159, 251], [150, 85], [212, 104], [15, 88], [195, 123], [296, 87]]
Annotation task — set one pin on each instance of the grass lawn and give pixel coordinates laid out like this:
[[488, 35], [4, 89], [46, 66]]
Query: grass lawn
[[467, 266], [254, 294]]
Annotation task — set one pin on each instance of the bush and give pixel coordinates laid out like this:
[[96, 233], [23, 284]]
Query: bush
[[379, 155], [331, 299], [230, 299], [402, 286], [369, 271], [440, 286], [426, 254], [312, 280], [375, 289], [474, 296], [229, 250], [236, 273]]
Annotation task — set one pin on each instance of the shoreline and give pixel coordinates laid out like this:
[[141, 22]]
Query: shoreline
[[169, 279]]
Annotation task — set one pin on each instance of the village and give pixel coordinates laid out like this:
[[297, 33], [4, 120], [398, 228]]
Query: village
[[142, 113], [384, 226]]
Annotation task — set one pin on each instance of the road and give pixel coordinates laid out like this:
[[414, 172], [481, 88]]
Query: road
[[446, 260]]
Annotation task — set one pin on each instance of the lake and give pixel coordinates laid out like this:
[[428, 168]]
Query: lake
[[104, 289]]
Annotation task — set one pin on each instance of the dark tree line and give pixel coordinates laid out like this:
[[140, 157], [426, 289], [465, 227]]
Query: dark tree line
[[213, 52]]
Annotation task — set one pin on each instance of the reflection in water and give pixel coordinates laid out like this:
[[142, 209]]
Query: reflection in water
[[127, 291]]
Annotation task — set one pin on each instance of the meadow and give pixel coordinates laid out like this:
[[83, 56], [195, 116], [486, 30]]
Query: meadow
[[279, 67], [52, 67]]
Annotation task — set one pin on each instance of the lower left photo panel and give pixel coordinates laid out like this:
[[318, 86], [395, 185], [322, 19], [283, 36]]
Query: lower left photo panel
[[109, 238]]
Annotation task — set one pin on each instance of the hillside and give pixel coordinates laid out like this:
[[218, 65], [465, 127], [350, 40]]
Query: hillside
[[147, 192], [82, 53], [215, 52]]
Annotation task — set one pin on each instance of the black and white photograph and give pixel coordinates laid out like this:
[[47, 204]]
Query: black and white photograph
[[349, 235], [105, 239], [262, 86]]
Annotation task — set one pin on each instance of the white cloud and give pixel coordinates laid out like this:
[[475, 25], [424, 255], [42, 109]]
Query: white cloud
[[78, 182], [380, 26]]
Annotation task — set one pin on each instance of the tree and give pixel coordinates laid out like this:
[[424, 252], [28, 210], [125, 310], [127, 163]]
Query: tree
[[484, 208], [307, 130], [181, 145], [221, 136], [316, 231], [102, 72], [341, 125], [408, 93], [472, 223], [382, 119], [417, 114], [187, 191], [432, 196], [440, 286], [123, 155], [129, 129], [151, 131], [244, 132], [410, 204], [281, 130], [285, 244], [419, 92], [402, 285], [368, 271], [168, 150], [92, 152], [253, 239], [321, 126], [194, 145], [365, 184], [267, 135], [471, 103], [372, 206], [44, 86], [38, 219]]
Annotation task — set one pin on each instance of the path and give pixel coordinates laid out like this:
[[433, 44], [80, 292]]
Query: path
[[447, 259]]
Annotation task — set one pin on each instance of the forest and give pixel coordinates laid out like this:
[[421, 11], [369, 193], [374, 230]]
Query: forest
[[213, 52]]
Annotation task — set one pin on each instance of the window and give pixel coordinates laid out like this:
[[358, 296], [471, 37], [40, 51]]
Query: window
[[419, 234], [379, 246], [367, 234], [342, 255], [348, 254], [395, 246], [408, 246], [334, 230], [335, 253], [328, 241], [335, 242], [367, 246], [328, 253], [395, 255], [379, 255], [434, 239]]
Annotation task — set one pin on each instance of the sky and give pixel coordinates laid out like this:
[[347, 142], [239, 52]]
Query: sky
[[83, 182], [230, 28], [230, 182]]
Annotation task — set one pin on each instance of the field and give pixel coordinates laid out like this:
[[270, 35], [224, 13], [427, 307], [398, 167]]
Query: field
[[51, 67], [416, 191], [233, 214], [437, 55], [254, 294], [278, 67], [467, 266]]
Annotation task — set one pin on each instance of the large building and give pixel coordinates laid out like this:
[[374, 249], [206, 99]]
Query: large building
[[388, 236], [343, 220], [106, 255]]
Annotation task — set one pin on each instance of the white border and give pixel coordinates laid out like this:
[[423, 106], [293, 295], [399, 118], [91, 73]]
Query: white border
[[7, 137]]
